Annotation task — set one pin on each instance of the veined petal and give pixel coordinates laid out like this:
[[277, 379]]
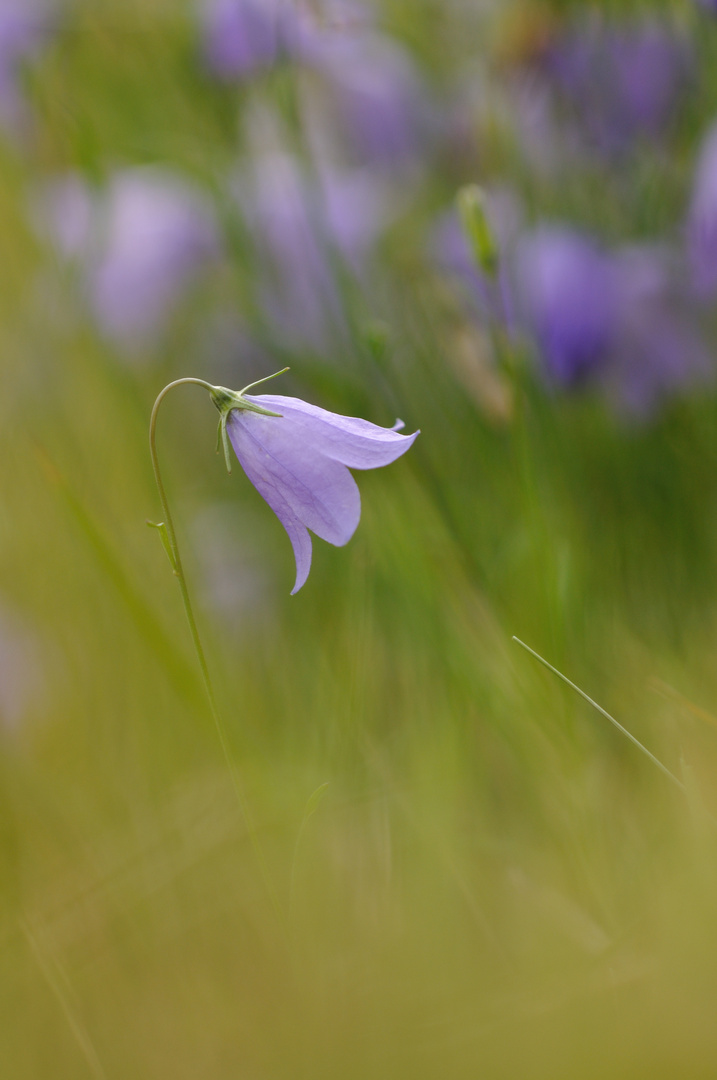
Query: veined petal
[[272, 492], [300, 542], [299, 483], [345, 439]]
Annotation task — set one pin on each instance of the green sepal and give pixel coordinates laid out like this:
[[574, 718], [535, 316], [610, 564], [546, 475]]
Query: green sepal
[[226, 400]]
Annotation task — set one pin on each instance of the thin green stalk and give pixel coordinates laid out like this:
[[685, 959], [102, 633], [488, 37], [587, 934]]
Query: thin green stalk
[[185, 679], [57, 981], [169, 541], [655, 761]]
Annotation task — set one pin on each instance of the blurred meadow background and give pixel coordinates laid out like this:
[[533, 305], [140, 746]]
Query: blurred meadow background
[[429, 856]]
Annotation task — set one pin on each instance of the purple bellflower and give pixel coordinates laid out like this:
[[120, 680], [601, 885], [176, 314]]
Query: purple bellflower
[[298, 457]]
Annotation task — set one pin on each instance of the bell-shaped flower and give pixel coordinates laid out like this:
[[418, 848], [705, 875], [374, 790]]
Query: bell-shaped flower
[[298, 457]]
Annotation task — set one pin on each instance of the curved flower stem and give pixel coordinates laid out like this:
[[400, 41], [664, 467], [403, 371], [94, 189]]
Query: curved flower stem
[[169, 541]]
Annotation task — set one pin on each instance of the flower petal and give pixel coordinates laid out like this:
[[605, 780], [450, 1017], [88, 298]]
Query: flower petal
[[300, 542], [346, 439], [305, 489]]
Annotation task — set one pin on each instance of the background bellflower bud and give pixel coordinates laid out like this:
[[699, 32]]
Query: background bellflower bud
[[471, 208]]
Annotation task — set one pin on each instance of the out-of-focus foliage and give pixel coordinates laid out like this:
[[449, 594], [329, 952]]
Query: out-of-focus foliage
[[473, 873]]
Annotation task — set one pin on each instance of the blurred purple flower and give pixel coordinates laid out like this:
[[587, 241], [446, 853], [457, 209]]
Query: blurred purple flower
[[615, 319], [570, 295], [657, 350], [702, 219], [137, 245], [299, 460], [377, 96], [651, 65], [298, 288], [156, 231], [24, 28], [327, 26], [242, 37], [355, 209], [619, 83], [304, 229]]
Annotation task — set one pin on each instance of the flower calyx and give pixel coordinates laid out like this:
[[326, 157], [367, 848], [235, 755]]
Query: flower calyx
[[226, 400]]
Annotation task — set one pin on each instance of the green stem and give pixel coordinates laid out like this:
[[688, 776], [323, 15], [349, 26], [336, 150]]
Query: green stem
[[636, 742], [172, 548], [173, 551]]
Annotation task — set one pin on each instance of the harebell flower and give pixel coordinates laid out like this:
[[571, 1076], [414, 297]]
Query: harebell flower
[[298, 458]]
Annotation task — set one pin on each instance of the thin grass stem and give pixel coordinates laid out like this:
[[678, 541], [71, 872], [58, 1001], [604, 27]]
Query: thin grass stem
[[655, 761], [57, 981]]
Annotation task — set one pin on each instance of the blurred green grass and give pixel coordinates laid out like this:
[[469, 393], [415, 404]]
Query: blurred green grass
[[494, 883]]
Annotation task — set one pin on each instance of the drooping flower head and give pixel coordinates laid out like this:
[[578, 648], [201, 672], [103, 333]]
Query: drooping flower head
[[298, 457]]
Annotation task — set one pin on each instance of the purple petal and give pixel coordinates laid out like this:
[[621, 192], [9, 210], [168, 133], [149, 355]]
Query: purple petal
[[298, 462], [305, 489], [345, 439]]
